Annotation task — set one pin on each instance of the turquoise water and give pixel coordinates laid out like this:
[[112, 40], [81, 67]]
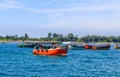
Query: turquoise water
[[21, 62]]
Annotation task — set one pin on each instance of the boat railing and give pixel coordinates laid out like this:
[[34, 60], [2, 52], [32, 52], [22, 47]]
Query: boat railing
[[37, 47]]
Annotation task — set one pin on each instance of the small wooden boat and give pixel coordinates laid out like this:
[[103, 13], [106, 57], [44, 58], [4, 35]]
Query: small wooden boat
[[101, 47], [55, 51], [117, 46], [76, 47], [88, 46], [3, 42], [27, 44]]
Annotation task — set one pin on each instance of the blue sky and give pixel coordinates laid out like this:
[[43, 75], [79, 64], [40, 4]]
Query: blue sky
[[38, 17]]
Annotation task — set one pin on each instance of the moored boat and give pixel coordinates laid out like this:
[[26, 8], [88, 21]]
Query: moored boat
[[55, 51], [76, 47], [117, 46], [101, 47], [27, 44]]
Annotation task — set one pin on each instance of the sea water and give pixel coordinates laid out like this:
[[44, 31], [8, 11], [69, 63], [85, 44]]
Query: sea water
[[21, 62]]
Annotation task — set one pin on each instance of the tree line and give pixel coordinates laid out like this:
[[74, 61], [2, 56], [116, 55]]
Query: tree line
[[63, 38]]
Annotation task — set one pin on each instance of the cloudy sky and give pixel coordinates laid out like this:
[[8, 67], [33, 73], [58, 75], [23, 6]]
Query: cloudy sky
[[81, 17]]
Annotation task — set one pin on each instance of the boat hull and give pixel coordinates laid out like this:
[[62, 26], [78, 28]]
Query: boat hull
[[117, 47], [100, 47], [76, 47], [57, 51]]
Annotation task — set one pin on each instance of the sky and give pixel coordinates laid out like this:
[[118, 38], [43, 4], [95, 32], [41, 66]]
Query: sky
[[80, 17]]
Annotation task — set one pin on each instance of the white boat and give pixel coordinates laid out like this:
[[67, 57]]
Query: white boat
[[76, 47]]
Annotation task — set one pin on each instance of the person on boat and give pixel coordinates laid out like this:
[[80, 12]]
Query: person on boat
[[55, 45], [37, 47], [41, 47]]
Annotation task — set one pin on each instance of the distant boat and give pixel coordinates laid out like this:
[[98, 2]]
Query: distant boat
[[101, 47], [76, 47], [32, 44], [27, 44], [3, 42], [117, 46], [55, 51]]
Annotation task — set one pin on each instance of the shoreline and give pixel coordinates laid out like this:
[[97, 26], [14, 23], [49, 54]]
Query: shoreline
[[10, 41], [1, 41]]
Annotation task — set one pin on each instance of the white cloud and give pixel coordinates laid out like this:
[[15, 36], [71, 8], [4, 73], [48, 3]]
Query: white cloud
[[75, 7], [56, 15], [7, 4]]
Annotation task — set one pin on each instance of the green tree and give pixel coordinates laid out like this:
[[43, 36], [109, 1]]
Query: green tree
[[70, 36], [78, 40], [118, 38], [26, 36], [55, 39], [55, 35], [7, 37], [60, 37], [49, 35]]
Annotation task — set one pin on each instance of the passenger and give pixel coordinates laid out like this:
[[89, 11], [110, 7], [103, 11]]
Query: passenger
[[55, 45], [41, 47], [37, 48]]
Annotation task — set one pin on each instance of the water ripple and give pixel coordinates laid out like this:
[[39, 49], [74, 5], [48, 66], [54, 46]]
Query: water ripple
[[21, 62]]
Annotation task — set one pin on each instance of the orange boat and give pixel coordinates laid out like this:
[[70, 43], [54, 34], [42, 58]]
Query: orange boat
[[59, 51], [117, 46]]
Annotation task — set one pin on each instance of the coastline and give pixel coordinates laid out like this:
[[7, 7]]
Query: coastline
[[10, 41], [4, 41]]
